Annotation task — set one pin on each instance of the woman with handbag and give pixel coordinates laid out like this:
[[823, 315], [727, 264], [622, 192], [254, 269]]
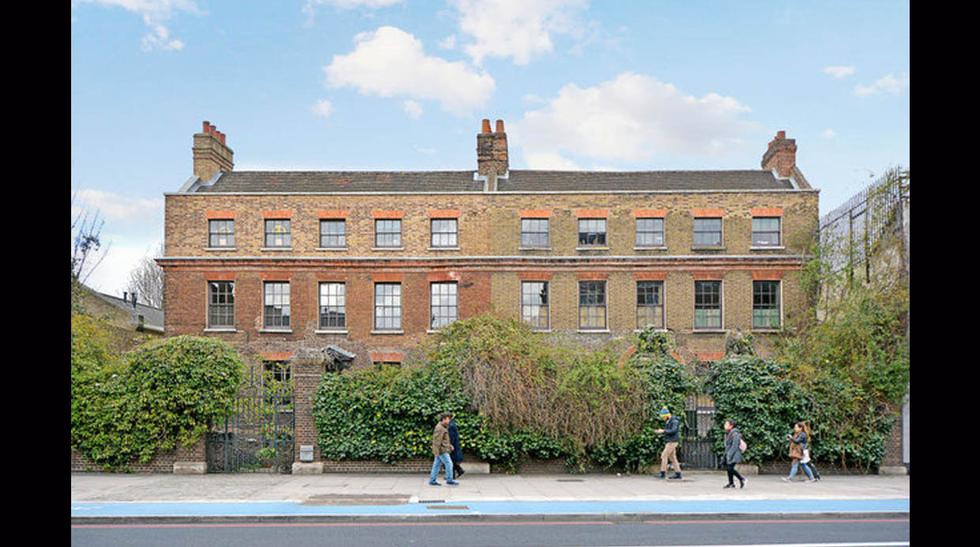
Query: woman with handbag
[[806, 453], [734, 447], [797, 445]]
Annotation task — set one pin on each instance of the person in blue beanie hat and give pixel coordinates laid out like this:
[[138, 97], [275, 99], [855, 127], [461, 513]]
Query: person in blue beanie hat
[[672, 436]]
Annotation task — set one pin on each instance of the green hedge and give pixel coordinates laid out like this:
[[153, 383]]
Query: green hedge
[[129, 408]]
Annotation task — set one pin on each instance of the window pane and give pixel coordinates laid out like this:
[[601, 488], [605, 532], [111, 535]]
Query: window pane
[[387, 306], [707, 304]]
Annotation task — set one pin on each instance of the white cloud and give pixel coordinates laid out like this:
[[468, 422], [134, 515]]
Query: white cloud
[[828, 133], [550, 161], [885, 84], [412, 108], [839, 72], [322, 109], [113, 206], [631, 118], [390, 62], [519, 29], [449, 42], [154, 13], [122, 254], [310, 8]]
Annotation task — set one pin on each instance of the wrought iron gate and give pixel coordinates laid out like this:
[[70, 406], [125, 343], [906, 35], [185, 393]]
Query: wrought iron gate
[[258, 435], [696, 450]]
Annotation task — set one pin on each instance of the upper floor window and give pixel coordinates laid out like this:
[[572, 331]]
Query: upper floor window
[[388, 233], [278, 234], [221, 304], [444, 233], [649, 232], [444, 306], [333, 307], [534, 304], [707, 232], [591, 305], [221, 233], [649, 304], [592, 232], [333, 234], [275, 305], [765, 231], [707, 304], [765, 305], [534, 232], [387, 306]]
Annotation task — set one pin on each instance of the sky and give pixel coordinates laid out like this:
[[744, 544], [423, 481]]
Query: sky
[[403, 84]]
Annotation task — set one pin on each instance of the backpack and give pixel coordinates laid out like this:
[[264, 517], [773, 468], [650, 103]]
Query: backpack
[[742, 447]]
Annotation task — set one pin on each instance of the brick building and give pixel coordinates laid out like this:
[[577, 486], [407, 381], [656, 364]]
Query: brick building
[[374, 262]]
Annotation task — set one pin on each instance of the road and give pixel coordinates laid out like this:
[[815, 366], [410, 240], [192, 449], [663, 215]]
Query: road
[[756, 531]]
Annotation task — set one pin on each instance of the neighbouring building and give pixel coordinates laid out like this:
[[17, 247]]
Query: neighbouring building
[[373, 263]]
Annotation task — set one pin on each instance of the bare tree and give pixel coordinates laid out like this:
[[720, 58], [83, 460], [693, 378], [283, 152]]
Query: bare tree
[[146, 280], [86, 230]]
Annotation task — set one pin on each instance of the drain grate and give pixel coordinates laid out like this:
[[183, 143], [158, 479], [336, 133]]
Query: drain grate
[[571, 480], [457, 507], [432, 501]]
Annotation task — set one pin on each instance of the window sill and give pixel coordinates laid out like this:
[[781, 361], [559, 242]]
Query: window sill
[[543, 331], [591, 248], [709, 331], [661, 248], [443, 248], [331, 332], [768, 248], [709, 248], [387, 248], [593, 331], [654, 330], [221, 329], [274, 249], [276, 331], [534, 248], [767, 331], [219, 249], [382, 332], [331, 248]]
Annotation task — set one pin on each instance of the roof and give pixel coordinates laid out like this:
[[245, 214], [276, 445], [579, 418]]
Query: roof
[[516, 181], [152, 317]]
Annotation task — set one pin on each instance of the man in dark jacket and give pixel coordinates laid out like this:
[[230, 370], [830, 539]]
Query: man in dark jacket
[[441, 448], [672, 436], [457, 453]]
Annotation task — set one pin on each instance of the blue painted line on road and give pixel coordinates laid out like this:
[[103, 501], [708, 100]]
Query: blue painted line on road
[[294, 508]]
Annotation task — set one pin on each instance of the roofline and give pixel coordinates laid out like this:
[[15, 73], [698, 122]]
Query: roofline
[[505, 193]]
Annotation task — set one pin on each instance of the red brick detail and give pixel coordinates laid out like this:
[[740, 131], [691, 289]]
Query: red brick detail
[[332, 213], [444, 213], [391, 357], [591, 213], [276, 355], [767, 211], [767, 275], [220, 215], [387, 214], [593, 276], [710, 355], [274, 276], [649, 276], [677, 357], [220, 276], [331, 276], [535, 213], [626, 355], [707, 213], [285, 213], [650, 213], [387, 277], [442, 276], [534, 276], [708, 275]]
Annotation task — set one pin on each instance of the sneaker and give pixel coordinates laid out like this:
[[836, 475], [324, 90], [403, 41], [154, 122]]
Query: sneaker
[[811, 480], [662, 475], [452, 483], [729, 486], [741, 483], [676, 476], [787, 479], [434, 483]]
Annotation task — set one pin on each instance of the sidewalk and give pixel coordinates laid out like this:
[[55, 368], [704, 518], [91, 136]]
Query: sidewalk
[[96, 495]]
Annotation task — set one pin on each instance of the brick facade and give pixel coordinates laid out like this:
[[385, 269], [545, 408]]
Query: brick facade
[[161, 463]]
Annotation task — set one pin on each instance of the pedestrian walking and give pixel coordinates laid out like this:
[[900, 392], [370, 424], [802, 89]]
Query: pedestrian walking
[[441, 448], [797, 448], [457, 453], [806, 453], [672, 436], [734, 446]]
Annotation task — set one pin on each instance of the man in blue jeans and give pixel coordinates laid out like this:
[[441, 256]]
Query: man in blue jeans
[[441, 448]]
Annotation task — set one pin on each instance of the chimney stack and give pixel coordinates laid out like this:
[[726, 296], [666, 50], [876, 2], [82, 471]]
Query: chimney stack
[[211, 154], [491, 151], [781, 155]]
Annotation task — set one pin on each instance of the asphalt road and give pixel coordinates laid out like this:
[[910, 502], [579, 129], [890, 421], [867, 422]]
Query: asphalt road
[[839, 532]]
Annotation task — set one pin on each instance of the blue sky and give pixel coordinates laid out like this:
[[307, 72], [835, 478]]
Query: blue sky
[[403, 85]]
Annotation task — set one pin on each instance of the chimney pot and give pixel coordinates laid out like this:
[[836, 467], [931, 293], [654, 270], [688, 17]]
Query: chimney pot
[[212, 129], [500, 126], [209, 158], [126, 296], [486, 126], [781, 135], [207, 127]]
